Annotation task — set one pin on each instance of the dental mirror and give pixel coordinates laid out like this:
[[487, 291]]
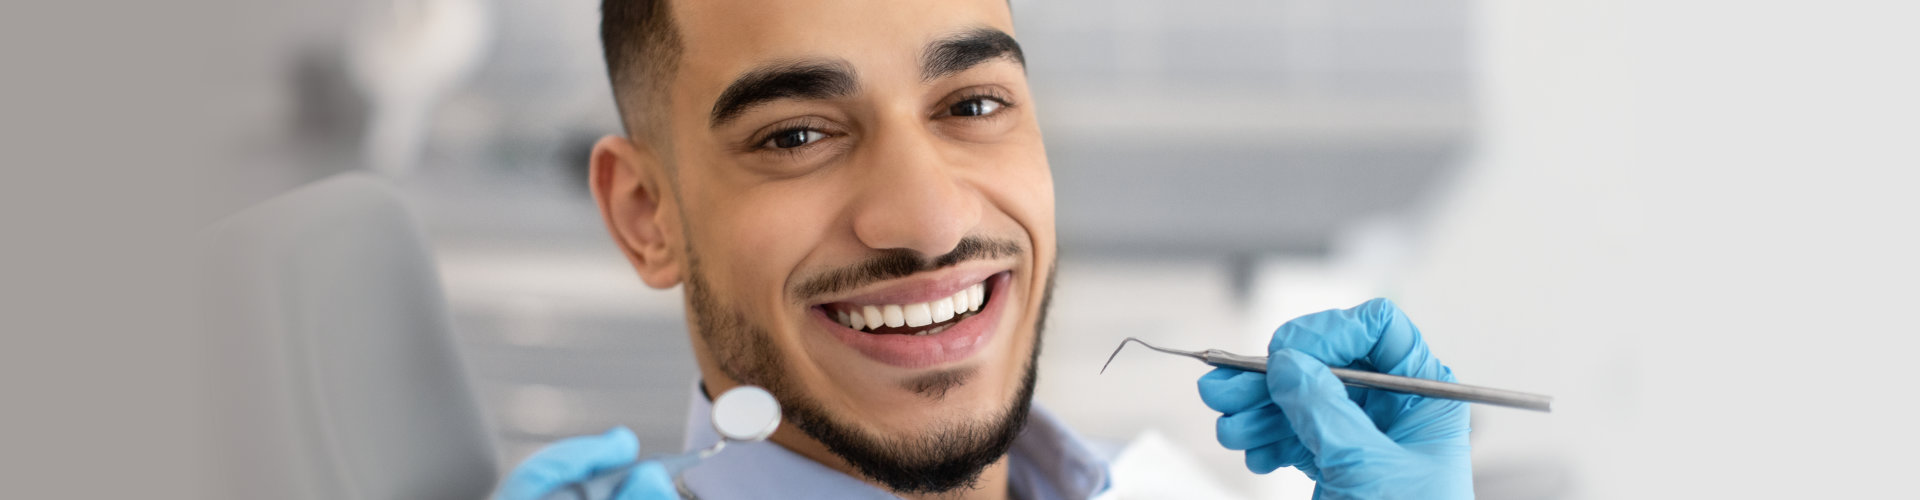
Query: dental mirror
[[743, 414], [746, 413]]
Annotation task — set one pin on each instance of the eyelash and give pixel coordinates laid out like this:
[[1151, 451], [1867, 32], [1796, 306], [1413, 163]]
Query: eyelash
[[987, 95], [805, 125]]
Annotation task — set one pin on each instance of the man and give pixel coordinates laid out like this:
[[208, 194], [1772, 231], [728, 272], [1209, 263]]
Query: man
[[857, 200]]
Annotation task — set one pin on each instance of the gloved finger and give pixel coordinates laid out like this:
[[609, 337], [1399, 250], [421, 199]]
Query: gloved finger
[[1440, 419], [568, 460], [1375, 334], [649, 481], [1283, 453], [1227, 390], [1312, 471], [1252, 428], [1331, 426]]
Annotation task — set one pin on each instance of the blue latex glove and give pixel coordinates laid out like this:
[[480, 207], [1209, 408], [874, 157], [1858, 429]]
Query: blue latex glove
[[1353, 442], [578, 458]]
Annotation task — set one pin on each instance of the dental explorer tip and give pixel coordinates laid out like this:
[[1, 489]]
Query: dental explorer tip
[[1116, 353]]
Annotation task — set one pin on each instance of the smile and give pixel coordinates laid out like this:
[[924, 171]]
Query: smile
[[924, 318], [899, 327]]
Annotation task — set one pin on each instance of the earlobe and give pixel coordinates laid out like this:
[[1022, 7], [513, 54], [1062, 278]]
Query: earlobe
[[627, 182]]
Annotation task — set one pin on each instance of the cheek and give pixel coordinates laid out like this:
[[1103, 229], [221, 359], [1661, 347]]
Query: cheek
[[1021, 183], [765, 234]]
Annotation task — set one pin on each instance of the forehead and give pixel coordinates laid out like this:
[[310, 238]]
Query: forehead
[[724, 38]]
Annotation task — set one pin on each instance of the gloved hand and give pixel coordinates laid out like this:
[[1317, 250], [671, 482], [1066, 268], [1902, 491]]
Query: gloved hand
[[1353, 442], [578, 458]]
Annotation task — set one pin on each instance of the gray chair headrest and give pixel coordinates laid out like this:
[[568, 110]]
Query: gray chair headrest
[[338, 374]]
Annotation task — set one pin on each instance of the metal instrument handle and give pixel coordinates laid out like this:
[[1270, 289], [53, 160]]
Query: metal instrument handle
[[1218, 357], [1396, 383]]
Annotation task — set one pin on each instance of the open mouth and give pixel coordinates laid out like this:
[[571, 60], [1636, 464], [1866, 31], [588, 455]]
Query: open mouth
[[900, 326], [916, 319]]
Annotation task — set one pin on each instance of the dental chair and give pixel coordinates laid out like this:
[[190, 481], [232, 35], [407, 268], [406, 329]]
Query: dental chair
[[335, 374]]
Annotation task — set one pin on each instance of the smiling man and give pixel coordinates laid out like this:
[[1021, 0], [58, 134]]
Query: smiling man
[[856, 198]]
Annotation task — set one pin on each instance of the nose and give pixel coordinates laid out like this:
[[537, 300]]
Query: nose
[[912, 198]]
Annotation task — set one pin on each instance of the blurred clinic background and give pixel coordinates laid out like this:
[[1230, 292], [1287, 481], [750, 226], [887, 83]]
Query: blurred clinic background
[[1694, 223]]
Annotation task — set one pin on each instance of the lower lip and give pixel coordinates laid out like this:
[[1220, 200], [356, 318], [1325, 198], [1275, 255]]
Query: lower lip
[[955, 343]]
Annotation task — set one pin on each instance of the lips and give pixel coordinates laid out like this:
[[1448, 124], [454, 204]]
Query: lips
[[916, 331]]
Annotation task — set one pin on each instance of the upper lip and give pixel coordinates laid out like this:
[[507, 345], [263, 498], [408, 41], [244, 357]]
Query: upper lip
[[921, 287]]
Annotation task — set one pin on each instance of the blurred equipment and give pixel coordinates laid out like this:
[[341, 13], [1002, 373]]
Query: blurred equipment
[[408, 55], [1371, 380], [742, 414], [339, 379]]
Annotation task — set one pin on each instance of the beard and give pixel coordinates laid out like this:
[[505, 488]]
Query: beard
[[948, 457]]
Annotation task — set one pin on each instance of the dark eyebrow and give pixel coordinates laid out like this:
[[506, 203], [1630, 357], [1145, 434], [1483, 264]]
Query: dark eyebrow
[[957, 53], [787, 80]]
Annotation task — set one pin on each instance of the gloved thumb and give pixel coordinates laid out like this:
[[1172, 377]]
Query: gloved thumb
[[1329, 424]]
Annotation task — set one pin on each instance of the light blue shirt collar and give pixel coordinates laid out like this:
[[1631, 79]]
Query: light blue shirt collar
[[1048, 462]]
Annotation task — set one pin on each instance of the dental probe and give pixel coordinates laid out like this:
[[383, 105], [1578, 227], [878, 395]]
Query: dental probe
[[1367, 379], [743, 414]]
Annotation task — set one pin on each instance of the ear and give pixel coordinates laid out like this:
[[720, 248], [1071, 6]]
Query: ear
[[628, 181]]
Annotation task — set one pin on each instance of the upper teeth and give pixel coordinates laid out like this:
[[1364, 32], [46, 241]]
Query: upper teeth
[[869, 317]]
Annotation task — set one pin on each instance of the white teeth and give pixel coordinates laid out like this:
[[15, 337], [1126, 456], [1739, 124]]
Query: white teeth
[[919, 315], [942, 309], [872, 315], [894, 316]]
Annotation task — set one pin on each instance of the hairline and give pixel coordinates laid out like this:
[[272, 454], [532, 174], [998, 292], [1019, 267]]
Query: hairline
[[642, 76]]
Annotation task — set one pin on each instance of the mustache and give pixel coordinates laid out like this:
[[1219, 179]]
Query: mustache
[[899, 262]]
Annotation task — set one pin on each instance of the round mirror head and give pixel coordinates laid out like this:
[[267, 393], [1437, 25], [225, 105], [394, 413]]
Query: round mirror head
[[746, 413]]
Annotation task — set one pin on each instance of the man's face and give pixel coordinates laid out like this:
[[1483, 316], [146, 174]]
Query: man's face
[[872, 159]]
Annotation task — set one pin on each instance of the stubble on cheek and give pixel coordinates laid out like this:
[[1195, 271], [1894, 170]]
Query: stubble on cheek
[[935, 385], [743, 351]]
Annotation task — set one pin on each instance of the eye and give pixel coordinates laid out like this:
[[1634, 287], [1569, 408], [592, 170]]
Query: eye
[[978, 106], [793, 138]]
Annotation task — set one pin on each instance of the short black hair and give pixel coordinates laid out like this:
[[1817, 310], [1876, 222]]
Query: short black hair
[[642, 48]]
